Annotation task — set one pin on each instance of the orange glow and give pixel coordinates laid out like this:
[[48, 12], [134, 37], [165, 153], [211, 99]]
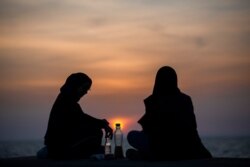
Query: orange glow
[[125, 122]]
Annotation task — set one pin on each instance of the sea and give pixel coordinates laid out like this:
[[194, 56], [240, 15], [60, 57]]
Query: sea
[[231, 147]]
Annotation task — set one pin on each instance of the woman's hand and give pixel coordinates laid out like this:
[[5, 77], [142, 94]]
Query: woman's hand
[[108, 129], [108, 132]]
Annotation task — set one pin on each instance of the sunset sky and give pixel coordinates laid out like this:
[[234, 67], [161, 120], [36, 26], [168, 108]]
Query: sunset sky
[[121, 44]]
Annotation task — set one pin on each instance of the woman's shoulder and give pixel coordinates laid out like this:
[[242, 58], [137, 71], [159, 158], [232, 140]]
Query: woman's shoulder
[[179, 95], [185, 95], [149, 99]]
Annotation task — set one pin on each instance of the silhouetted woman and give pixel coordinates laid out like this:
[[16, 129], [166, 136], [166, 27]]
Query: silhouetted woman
[[71, 133], [169, 124]]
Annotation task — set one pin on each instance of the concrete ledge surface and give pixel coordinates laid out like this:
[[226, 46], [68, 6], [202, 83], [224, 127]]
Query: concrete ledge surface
[[34, 162]]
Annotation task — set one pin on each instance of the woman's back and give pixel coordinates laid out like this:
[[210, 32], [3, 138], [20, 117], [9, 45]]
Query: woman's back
[[169, 121]]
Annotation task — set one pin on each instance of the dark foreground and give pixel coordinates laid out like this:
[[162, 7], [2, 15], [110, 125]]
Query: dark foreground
[[34, 162]]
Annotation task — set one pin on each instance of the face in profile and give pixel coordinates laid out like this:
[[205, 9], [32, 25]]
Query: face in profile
[[82, 90], [76, 86]]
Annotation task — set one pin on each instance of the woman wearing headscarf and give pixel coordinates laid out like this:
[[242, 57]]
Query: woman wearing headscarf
[[169, 129], [71, 133]]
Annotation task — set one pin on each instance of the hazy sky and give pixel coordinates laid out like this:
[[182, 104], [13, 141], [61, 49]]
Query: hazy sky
[[121, 44]]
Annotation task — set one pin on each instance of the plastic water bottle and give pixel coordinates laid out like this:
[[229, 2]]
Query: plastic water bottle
[[118, 137]]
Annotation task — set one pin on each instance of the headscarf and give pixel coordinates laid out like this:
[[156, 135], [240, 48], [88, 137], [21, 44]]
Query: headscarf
[[165, 81], [75, 81]]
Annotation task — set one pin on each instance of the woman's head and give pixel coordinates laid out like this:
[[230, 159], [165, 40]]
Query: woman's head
[[165, 81], [77, 85]]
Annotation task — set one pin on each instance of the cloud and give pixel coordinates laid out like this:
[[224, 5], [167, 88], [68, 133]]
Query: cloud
[[12, 10], [121, 45]]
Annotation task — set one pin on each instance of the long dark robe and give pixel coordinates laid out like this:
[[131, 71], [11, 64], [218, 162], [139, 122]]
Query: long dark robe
[[170, 124], [71, 133]]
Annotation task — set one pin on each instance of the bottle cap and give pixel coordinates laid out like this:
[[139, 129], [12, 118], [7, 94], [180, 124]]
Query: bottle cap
[[117, 124]]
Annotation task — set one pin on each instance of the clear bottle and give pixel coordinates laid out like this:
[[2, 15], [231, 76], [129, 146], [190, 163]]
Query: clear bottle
[[118, 137], [107, 147]]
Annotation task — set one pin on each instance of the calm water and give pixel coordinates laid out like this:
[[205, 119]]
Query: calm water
[[218, 146]]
